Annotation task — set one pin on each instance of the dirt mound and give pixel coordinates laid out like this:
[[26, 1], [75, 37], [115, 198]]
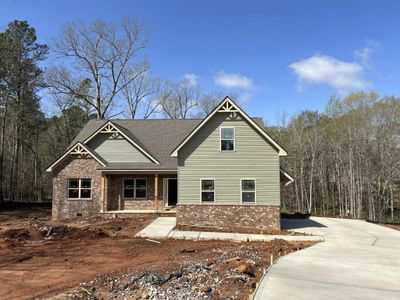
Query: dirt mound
[[17, 234], [48, 232], [226, 271]]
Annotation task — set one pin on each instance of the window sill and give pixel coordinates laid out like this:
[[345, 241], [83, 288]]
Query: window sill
[[133, 199], [237, 204], [79, 199]]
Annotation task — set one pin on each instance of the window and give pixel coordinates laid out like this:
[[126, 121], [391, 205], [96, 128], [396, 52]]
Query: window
[[135, 188], [227, 139], [248, 190], [207, 190], [79, 188]]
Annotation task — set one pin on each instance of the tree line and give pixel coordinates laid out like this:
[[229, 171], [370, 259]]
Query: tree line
[[90, 71], [345, 160]]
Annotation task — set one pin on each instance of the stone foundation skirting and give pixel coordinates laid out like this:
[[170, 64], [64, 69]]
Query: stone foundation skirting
[[255, 216], [135, 204]]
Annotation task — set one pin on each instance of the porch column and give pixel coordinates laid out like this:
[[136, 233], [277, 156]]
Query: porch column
[[104, 192], [156, 192]]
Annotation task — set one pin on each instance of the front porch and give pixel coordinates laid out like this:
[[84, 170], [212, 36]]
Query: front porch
[[138, 193]]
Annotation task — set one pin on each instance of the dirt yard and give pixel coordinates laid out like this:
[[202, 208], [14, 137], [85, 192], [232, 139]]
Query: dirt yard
[[101, 259], [395, 227]]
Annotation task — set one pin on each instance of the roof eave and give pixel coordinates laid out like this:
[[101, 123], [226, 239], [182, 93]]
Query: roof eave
[[60, 159], [289, 178]]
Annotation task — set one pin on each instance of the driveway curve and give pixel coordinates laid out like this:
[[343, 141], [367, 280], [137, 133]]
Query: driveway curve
[[357, 260]]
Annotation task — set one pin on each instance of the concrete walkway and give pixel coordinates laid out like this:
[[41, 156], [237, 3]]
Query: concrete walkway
[[159, 228], [162, 228], [358, 260]]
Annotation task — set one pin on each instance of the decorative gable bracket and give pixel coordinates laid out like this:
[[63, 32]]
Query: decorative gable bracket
[[227, 107], [109, 128], [81, 151]]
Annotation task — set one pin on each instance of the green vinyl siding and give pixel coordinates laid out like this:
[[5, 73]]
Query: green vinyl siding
[[253, 158], [115, 148]]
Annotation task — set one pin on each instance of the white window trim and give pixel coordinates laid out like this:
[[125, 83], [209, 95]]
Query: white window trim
[[234, 139], [255, 191], [201, 191], [134, 189], [79, 188]]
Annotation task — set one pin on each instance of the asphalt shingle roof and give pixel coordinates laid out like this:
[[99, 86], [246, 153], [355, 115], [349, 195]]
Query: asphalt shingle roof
[[157, 137]]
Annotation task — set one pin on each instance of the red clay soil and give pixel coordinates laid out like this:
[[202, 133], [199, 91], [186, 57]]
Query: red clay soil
[[395, 227], [40, 258]]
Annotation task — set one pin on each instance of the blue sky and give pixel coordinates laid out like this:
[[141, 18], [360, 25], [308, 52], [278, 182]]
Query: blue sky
[[280, 56]]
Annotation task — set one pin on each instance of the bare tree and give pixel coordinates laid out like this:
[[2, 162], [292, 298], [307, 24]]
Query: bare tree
[[100, 59], [208, 102], [180, 99], [142, 94]]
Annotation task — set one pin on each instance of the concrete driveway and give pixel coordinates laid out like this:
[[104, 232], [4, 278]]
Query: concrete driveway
[[357, 260]]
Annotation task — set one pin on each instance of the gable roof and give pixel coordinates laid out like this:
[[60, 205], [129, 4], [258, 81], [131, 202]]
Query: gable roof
[[157, 139], [228, 105], [127, 135], [77, 149], [159, 135]]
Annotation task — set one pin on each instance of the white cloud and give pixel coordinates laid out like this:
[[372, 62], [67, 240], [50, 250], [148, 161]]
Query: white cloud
[[191, 78], [322, 69], [364, 54], [245, 97], [233, 80]]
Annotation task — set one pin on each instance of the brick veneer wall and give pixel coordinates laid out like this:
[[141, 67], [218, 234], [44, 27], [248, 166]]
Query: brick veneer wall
[[255, 216], [74, 167], [115, 193]]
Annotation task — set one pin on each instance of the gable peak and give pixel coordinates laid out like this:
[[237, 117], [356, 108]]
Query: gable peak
[[109, 127], [227, 105]]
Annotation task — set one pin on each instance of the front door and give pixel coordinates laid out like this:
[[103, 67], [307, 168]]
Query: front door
[[172, 191]]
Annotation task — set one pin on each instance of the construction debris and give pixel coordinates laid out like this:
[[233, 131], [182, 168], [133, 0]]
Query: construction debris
[[229, 275], [102, 259]]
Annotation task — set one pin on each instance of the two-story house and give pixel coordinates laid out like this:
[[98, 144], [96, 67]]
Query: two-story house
[[223, 170]]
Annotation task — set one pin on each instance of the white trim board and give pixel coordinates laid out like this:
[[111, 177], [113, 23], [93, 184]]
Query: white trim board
[[201, 191], [50, 168], [281, 151], [136, 171], [290, 178], [220, 138], [107, 125]]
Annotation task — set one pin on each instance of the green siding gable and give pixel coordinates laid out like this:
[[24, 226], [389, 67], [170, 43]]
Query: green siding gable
[[253, 158], [113, 147]]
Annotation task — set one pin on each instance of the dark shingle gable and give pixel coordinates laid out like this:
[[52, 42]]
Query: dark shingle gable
[[157, 137]]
